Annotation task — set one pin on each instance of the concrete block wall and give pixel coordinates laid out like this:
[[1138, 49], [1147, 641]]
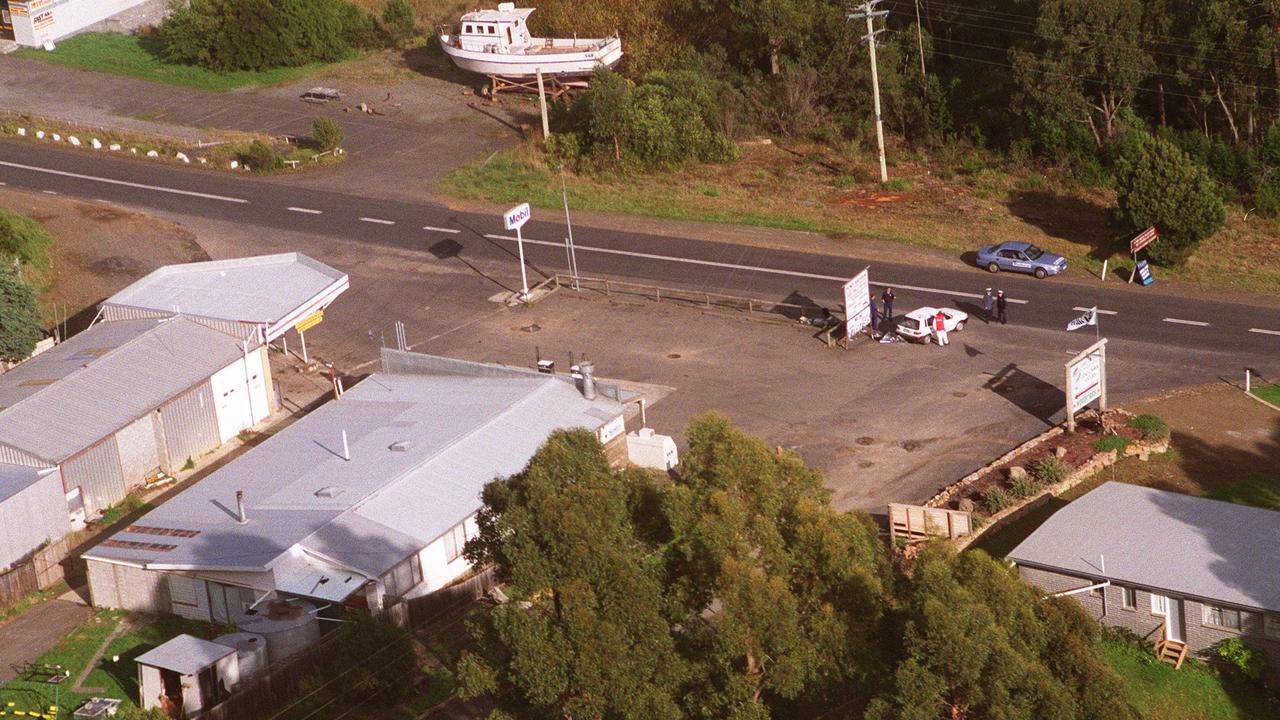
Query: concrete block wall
[[127, 587]]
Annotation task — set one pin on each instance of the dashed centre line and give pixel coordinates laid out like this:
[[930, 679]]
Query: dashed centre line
[[49, 192], [748, 268], [1178, 321], [377, 221], [1264, 332], [308, 211], [433, 228], [1100, 311]]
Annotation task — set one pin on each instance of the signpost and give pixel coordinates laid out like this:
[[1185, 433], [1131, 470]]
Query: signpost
[[857, 303], [1141, 240], [514, 219], [1086, 381]]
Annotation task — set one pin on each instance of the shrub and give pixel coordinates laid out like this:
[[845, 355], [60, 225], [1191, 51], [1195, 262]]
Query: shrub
[[20, 319], [381, 682], [1267, 201], [23, 238], [1249, 661], [326, 133], [898, 185], [995, 500], [1023, 488], [1158, 184], [1111, 442], [397, 18], [261, 157], [1048, 471], [1152, 427]]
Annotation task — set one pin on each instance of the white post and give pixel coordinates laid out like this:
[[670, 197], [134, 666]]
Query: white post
[[1246, 379], [524, 276], [643, 421], [1104, 270], [875, 93], [302, 337], [542, 100], [572, 253]]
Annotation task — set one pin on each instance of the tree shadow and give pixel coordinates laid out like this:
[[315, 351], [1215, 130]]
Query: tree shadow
[[1068, 218], [1029, 393], [807, 307]]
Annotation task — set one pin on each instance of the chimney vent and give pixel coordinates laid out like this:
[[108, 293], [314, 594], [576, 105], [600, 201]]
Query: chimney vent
[[240, 507], [588, 372]]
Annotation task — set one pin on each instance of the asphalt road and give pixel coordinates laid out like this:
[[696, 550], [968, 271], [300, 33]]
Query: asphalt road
[[1248, 332]]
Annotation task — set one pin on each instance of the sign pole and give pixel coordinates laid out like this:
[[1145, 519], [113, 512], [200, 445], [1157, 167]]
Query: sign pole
[[514, 219], [524, 275], [1071, 394]]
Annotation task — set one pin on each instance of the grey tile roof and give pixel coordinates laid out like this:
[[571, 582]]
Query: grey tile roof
[[68, 398], [185, 655], [16, 478], [1166, 541], [451, 435], [260, 289]]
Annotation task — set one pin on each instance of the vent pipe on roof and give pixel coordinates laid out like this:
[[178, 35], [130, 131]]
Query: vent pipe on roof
[[346, 449], [588, 372], [240, 507]]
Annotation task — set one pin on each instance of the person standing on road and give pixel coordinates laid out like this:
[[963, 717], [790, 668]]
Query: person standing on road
[[1002, 307], [988, 300], [886, 299], [940, 329]]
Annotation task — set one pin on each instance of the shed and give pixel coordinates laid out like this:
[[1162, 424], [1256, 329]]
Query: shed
[[32, 510], [187, 675]]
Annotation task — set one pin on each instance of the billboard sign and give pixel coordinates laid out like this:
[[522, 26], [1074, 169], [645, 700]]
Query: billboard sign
[[1143, 239], [1086, 380], [857, 303], [516, 217]]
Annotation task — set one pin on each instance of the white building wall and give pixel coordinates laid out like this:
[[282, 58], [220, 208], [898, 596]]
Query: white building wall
[[29, 518], [437, 571], [240, 395], [35, 21]]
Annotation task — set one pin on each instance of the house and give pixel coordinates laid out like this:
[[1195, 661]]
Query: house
[[367, 500], [1180, 571], [145, 389]]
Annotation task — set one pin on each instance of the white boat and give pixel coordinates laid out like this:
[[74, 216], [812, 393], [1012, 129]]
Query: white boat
[[498, 43]]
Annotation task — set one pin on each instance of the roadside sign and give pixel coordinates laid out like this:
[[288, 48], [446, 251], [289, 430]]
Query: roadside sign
[[310, 321], [517, 216], [1086, 381], [1144, 273], [857, 303], [1143, 239]]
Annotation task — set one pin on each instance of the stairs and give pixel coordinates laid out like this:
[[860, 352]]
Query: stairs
[[1171, 652]]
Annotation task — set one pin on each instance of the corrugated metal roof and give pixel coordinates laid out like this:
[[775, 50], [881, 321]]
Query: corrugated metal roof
[[1162, 540], [260, 289], [16, 478], [185, 655], [68, 398], [299, 574], [371, 511]]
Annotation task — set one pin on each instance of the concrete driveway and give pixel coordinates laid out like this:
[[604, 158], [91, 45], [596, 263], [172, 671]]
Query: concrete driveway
[[35, 632]]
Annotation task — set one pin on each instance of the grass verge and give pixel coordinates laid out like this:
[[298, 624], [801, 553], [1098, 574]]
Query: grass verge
[[1194, 692], [1270, 393], [131, 55]]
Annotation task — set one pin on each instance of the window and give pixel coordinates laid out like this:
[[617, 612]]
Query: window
[[454, 540], [1159, 604], [1128, 598], [1222, 617], [1034, 252], [467, 29], [1271, 626], [493, 30], [403, 577], [182, 591]]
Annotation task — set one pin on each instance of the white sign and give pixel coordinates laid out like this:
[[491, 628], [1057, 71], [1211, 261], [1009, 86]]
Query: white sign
[[1086, 380], [1090, 317], [517, 216], [857, 304]]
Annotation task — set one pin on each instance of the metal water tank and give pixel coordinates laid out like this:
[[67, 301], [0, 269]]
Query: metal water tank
[[287, 625], [251, 652]]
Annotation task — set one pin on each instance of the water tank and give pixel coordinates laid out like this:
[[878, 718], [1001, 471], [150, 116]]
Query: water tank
[[650, 450], [251, 652], [288, 626]]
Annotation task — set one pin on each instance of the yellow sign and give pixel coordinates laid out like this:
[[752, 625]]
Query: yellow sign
[[309, 321]]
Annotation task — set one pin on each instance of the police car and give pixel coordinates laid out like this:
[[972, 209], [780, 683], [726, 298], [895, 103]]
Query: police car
[[918, 324], [1021, 257]]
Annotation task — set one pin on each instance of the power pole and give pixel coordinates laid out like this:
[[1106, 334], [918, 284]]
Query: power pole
[[920, 39], [867, 11]]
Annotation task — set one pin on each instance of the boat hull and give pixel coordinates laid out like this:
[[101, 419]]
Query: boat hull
[[559, 63]]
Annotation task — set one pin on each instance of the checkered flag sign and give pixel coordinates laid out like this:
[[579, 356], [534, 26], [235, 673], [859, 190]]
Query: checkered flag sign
[[1090, 317]]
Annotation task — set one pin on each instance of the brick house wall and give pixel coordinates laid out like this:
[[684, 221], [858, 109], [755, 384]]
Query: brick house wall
[[1202, 639]]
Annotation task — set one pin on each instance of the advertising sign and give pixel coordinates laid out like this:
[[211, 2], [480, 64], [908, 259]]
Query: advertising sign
[[43, 21], [310, 321], [1143, 239], [857, 304], [517, 216], [1144, 273], [1086, 380]]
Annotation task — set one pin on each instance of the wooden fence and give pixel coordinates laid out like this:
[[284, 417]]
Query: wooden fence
[[419, 611], [284, 683], [915, 522], [42, 569]]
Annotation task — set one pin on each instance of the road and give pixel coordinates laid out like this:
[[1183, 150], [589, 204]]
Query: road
[[1243, 330]]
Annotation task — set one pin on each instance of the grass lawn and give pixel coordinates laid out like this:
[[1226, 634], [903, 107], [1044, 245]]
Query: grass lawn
[[122, 54], [1195, 692], [117, 679], [1270, 393]]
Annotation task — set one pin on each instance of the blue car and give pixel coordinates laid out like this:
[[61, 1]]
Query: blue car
[[1021, 257]]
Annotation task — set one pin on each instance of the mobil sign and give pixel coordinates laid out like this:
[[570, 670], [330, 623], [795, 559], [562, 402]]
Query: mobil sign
[[517, 216]]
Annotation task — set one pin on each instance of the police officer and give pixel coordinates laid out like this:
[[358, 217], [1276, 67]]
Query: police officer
[[886, 299], [988, 300], [1002, 307]]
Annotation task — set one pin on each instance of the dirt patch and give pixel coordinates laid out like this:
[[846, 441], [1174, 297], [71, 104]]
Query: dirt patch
[[98, 249]]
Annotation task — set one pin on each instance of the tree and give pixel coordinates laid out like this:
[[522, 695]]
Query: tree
[[327, 134], [1157, 184], [374, 659], [20, 320], [398, 19], [24, 239]]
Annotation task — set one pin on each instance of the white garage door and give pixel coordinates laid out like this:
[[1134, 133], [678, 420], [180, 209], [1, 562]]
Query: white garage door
[[231, 400]]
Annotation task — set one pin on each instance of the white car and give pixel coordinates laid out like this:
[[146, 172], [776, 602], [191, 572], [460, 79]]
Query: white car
[[918, 324]]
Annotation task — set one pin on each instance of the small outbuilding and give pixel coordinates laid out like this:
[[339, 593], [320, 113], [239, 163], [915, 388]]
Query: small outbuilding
[[186, 676]]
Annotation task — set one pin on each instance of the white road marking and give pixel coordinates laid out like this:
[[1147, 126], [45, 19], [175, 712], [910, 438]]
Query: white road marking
[[49, 192], [377, 221], [2, 184], [1100, 310], [308, 211], [125, 183], [1197, 323], [432, 228], [1264, 332], [748, 268]]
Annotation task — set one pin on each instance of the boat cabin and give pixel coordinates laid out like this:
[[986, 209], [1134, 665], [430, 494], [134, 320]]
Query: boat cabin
[[502, 31]]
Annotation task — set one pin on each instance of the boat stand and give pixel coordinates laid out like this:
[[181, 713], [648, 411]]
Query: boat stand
[[554, 87]]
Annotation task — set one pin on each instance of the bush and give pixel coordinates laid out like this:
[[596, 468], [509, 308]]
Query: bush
[[24, 239], [326, 133], [261, 157], [375, 658], [1267, 201], [397, 18], [1152, 427], [1048, 471], [1249, 661], [1158, 184], [1111, 442], [995, 500], [1023, 488], [20, 320]]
